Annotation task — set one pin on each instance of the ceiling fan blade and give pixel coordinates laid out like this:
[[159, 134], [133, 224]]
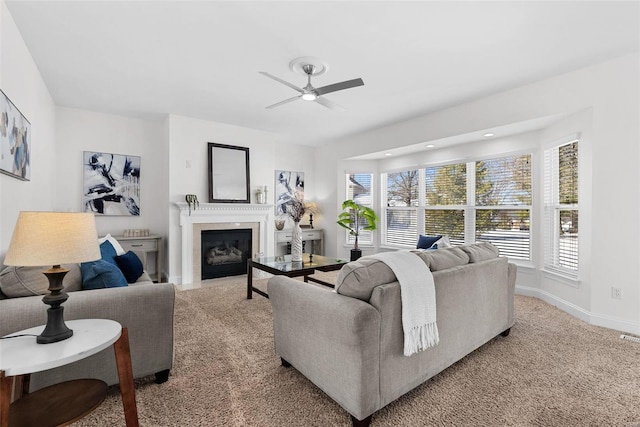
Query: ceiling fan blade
[[286, 101], [284, 82], [329, 104], [339, 86]]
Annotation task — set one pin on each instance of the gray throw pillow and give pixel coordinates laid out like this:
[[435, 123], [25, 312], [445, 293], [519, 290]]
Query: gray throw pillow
[[481, 251], [444, 258], [357, 279], [18, 282]]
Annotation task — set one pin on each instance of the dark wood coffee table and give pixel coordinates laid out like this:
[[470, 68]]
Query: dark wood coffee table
[[283, 266]]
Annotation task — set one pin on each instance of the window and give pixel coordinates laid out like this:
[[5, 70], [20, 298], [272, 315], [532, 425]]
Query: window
[[561, 208], [488, 200], [503, 204], [359, 189], [446, 199], [401, 213]]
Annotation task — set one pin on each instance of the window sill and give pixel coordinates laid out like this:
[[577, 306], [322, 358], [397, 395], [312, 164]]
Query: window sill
[[565, 279], [524, 265], [395, 248]]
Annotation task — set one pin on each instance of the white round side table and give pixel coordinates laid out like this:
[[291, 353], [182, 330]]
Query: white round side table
[[21, 356]]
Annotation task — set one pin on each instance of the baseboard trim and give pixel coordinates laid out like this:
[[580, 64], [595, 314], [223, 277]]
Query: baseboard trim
[[175, 279], [579, 312]]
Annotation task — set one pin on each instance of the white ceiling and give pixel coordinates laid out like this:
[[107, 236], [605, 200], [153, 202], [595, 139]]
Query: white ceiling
[[201, 59]]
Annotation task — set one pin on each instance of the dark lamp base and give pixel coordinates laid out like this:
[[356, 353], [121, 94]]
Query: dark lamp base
[[55, 330]]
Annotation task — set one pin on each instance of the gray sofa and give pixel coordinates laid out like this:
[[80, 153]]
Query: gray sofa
[[349, 342], [144, 307]]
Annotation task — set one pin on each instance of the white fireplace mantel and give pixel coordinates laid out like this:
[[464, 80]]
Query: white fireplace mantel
[[225, 213]]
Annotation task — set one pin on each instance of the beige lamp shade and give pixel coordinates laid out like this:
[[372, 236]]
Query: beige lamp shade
[[311, 207], [53, 238]]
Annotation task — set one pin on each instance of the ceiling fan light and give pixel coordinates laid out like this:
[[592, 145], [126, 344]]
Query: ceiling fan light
[[309, 96]]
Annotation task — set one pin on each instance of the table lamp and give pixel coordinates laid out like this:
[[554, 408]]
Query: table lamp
[[312, 208], [53, 238]]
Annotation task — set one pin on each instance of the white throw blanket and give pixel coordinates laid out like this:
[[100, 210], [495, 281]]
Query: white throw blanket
[[418, 296]]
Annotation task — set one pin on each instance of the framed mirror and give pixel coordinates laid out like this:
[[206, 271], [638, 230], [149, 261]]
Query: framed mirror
[[228, 174]]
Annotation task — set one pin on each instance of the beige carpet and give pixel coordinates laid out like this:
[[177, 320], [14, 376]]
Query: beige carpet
[[553, 370]]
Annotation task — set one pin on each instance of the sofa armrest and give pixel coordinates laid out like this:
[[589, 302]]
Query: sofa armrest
[[146, 310], [332, 339]]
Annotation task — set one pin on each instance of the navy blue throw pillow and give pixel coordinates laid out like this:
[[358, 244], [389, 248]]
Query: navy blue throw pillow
[[130, 265], [426, 242], [101, 274], [108, 252]]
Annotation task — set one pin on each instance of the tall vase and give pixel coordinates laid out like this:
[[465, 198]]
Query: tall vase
[[296, 242]]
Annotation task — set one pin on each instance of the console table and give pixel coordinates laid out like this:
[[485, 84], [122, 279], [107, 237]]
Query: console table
[[145, 245], [312, 241], [62, 403]]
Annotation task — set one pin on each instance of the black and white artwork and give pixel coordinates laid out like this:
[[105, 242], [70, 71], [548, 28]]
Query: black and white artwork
[[111, 183], [289, 185], [15, 141]]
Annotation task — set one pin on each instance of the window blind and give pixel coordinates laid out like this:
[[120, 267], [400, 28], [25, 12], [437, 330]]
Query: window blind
[[401, 213], [561, 210], [440, 222], [502, 185]]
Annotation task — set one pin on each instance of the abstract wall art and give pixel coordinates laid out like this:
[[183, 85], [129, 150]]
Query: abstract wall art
[[289, 185], [15, 141], [111, 183]]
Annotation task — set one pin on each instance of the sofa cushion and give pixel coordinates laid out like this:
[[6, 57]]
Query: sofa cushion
[[130, 265], [443, 258], [18, 282], [480, 251], [426, 242], [116, 245], [108, 252], [101, 274], [357, 279], [442, 243]]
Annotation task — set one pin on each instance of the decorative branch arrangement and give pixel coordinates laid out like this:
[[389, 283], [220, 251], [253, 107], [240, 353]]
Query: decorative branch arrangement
[[294, 207]]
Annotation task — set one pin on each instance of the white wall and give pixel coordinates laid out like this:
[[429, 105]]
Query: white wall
[[188, 168], [602, 103], [21, 82], [81, 130]]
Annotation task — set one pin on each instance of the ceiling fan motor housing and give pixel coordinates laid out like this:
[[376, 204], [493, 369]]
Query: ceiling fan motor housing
[[310, 66]]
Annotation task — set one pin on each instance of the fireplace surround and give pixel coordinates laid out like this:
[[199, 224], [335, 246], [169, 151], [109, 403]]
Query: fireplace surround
[[222, 216]]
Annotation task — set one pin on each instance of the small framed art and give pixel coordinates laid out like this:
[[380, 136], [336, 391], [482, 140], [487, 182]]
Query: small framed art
[[15, 141]]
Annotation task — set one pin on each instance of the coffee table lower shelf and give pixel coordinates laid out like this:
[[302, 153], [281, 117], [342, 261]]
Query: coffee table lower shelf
[[284, 266], [59, 404]]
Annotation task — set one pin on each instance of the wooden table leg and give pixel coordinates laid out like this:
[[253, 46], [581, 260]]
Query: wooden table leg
[[249, 279], [125, 375], [6, 384]]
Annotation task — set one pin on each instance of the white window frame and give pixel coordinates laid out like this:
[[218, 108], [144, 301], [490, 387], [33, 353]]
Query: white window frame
[[551, 211], [419, 210], [469, 209]]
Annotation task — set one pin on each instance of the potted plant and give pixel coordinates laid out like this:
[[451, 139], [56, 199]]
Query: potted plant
[[356, 218]]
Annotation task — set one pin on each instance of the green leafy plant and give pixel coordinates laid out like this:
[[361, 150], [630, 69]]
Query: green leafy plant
[[356, 218]]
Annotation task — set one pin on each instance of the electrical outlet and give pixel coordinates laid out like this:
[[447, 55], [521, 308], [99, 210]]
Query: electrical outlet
[[616, 293]]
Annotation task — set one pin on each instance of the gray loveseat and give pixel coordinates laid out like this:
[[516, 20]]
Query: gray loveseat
[[144, 307], [350, 342]]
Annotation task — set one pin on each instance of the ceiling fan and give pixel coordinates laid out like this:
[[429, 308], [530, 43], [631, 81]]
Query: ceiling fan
[[313, 67]]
